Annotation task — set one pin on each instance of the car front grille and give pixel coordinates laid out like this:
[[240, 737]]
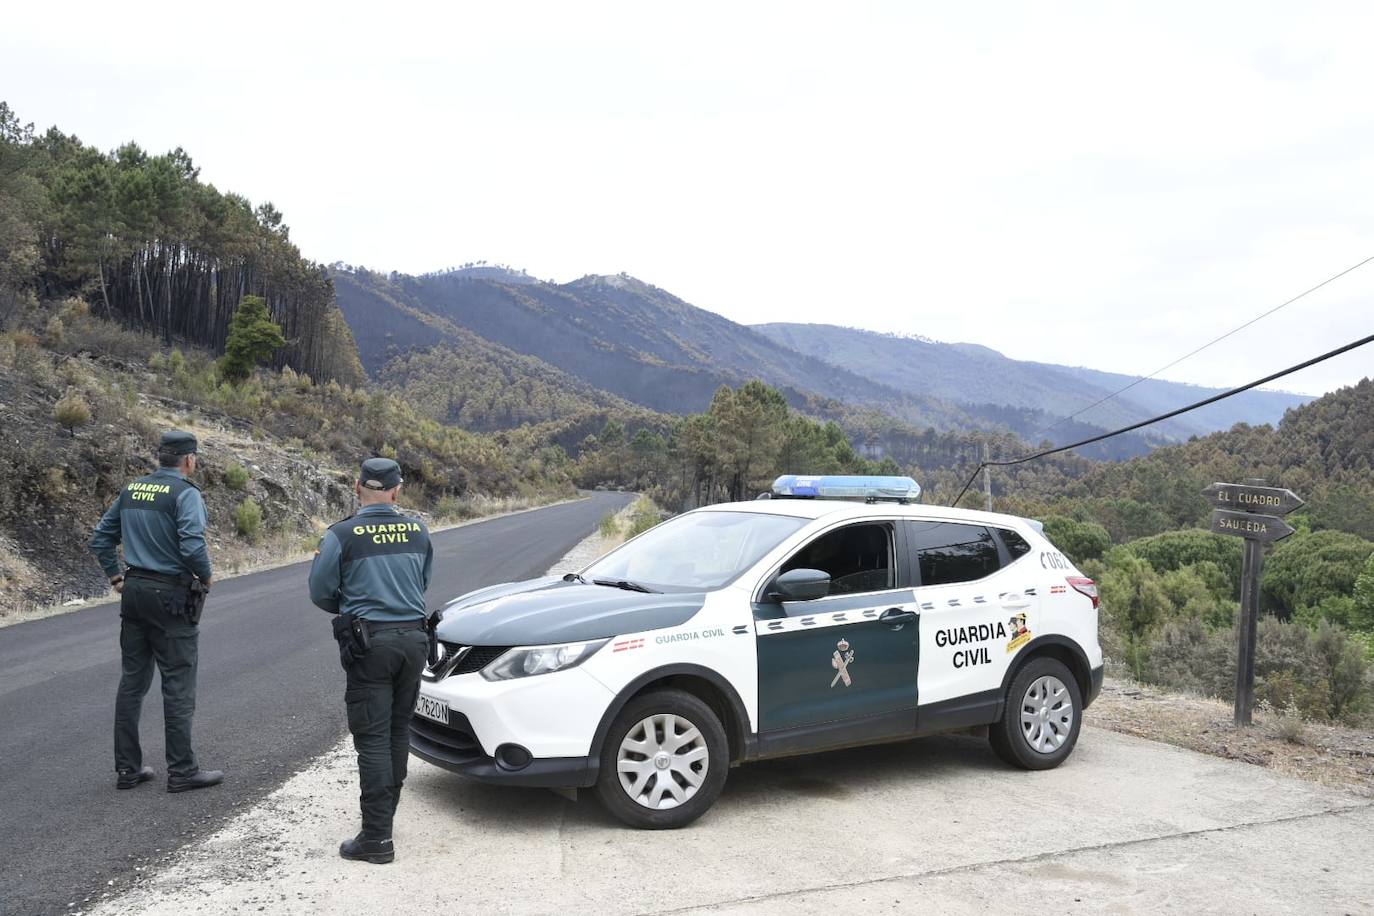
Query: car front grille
[[461, 659], [456, 738]]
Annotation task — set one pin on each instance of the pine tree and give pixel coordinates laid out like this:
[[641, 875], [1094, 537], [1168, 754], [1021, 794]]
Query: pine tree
[[253, 338]]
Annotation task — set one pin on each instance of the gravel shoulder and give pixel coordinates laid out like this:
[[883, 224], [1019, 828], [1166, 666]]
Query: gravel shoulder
[[1326, 754]]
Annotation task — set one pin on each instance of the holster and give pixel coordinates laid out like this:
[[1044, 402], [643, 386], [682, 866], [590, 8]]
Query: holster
[[195, 600], [351, 634]]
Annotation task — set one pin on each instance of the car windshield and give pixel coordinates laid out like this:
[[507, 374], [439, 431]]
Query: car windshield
[[695, 552]]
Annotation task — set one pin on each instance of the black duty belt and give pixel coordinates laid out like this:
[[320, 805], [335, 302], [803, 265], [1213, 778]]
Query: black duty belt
[[375, 628], [134, 572]]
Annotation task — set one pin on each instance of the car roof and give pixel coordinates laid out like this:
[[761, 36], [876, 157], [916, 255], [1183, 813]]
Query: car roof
[[840, 510]]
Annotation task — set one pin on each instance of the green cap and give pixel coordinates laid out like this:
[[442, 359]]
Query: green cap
[[380, 474], [178, 442]]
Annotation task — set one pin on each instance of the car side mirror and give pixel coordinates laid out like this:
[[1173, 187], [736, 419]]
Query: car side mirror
[[800, 585]]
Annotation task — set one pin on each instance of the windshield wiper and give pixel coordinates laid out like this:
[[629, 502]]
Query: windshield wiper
[[628, 586], [574, 577]]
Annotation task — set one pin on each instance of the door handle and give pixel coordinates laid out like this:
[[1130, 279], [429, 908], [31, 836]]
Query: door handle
[[896, 618], [1015, 601]]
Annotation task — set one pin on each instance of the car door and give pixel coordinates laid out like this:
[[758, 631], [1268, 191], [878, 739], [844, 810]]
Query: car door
[[976, 614], [840, 669]]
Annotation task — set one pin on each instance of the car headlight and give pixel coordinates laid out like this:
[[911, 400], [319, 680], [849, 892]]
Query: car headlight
[[527, 661]]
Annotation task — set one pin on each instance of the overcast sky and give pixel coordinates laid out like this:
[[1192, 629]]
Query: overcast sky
[[1074, 183]]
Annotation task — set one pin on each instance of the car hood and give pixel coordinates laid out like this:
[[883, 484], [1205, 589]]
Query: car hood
[[549, 610]]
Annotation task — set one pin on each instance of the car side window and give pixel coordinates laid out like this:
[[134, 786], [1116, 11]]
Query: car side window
[[859, 558], [948, 552], [1015, 544]]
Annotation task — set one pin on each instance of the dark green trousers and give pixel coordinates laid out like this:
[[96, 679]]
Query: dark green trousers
[[150, 634], [382, 687]]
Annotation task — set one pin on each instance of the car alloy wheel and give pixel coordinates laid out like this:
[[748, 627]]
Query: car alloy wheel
[[1046, 714], [663, 761]]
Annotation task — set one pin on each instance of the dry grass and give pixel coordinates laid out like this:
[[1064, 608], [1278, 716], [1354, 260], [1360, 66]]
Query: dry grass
[[1279, 740]]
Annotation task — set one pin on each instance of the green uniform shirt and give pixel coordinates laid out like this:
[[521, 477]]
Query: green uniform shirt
[[160, 519], [375, 565]]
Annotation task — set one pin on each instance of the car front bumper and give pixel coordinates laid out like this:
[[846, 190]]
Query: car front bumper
[[551, 717], [449, 747]]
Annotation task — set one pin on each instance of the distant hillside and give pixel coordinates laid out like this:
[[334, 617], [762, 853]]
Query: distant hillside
[[608, 341], [968, 374], [454, 375], [617, 334]]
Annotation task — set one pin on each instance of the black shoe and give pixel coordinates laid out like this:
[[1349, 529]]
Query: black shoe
[[127, 779], [378, 852], [201, 779]]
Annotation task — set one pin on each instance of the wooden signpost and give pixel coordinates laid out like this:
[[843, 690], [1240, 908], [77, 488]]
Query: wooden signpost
[[1251, 511]]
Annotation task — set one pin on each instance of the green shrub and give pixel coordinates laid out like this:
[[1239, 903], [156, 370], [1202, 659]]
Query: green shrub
[[236, 476], [1078, 540], [72, 411], [248, 520], [609, 527], [1306, 569]]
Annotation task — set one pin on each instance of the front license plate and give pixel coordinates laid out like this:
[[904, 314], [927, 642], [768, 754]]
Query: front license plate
[[432, 709]]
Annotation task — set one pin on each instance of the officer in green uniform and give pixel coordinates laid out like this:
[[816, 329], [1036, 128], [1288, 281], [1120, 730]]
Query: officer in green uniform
[[374, 567], [160, 519]]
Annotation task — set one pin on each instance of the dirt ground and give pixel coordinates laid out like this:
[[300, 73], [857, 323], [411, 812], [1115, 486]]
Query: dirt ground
[[1327, 754]]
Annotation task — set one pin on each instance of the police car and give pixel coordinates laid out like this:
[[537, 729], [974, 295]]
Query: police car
[[837, 613]]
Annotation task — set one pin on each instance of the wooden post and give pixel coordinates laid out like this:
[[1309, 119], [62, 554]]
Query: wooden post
[[1241, 511], [987, 480], [1248, 626]]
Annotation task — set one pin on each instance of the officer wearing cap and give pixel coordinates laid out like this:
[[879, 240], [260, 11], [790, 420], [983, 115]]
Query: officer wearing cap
[[160, 519], [375, 567]]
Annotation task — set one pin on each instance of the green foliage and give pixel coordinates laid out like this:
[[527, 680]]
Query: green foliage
[[643, 516], [1178, 549], [1133, 600], [236, 476], [1306, 570], [733, 451], [72, 411], [1362, 613], [253, 338], [1078, 540], [609, 527], [248, 520], [154, 247]]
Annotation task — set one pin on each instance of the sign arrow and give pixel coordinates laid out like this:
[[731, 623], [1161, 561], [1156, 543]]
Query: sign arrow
[[1248, 498], [1262, 528]]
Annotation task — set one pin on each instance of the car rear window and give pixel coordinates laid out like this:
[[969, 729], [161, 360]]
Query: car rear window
[[947, 552], [1015, 544]]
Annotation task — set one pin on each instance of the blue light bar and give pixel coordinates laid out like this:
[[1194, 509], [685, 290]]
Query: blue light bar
[[837, 486]]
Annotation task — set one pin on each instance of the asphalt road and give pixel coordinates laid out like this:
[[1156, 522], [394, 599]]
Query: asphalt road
[[270, 700]]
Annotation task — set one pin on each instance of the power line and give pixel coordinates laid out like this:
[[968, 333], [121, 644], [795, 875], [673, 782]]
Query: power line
[[1209, 343], [1165, 416]]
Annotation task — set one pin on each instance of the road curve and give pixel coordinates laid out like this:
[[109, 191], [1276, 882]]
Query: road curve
[[270, 699]]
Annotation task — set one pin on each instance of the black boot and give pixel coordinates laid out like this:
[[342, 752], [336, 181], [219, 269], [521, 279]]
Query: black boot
[[378, 852], [127, 779], [200, 779]]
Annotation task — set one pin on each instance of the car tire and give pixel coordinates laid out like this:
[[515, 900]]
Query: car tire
[[1041, 717], [673, 736]]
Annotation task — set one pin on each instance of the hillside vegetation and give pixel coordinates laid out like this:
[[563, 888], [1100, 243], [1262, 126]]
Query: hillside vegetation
[[147, 243], [624, 337], [85, 402], [1170, 588]]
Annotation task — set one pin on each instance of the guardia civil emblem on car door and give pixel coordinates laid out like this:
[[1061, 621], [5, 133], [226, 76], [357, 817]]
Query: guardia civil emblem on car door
[[840, 661]]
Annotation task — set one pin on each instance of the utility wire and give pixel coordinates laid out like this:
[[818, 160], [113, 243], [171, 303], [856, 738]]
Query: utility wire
[[1209, 343], [1165, 416]]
